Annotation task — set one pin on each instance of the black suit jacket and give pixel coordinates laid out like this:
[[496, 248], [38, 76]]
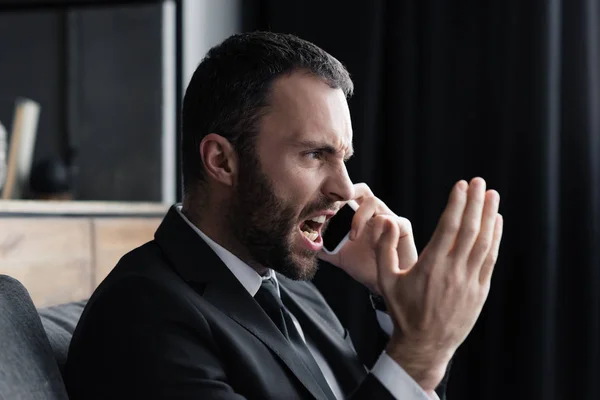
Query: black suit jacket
[[172, 322]]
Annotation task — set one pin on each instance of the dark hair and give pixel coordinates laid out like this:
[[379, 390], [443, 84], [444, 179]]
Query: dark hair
[[229, 90]]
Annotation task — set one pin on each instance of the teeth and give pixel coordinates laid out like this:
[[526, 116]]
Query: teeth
[[312, 236], [319, 220]]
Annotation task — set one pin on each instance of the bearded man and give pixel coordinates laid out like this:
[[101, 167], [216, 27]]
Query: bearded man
[[220, 305]]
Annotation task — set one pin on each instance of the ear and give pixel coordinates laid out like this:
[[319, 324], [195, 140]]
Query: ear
[[219, 158]]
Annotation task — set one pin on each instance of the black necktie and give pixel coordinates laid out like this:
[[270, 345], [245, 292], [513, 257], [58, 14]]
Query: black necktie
[[268, 298]]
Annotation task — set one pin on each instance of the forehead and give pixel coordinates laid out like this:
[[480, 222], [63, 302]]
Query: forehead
[[303, 107]]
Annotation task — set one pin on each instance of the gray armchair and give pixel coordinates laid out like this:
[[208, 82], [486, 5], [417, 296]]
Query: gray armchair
[[33, 344]]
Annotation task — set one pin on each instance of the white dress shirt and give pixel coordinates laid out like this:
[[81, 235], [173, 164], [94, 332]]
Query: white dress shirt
[[391, 375]]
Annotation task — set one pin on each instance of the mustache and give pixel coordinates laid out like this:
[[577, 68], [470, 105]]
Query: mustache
[[323, 204]]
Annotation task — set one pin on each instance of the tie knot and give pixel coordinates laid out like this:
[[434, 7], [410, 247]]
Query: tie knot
[[268, 291]]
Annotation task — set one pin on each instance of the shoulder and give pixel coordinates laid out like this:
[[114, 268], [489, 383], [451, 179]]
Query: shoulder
[[142, 287]]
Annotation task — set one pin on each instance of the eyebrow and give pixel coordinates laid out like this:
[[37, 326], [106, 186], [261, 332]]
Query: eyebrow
[[324, 147]]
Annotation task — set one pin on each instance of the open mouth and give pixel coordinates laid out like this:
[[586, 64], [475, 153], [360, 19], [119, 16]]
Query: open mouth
[[311, 228]]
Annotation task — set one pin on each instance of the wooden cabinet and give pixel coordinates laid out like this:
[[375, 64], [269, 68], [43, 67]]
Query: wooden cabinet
[[62, 251]]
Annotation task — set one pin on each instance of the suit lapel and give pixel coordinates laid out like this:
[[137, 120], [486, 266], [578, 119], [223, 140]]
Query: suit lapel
[[196, 263], [246, 312], [328, 335]]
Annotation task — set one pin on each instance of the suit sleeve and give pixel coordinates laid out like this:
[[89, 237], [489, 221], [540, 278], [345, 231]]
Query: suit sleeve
[[133, 334], [371, 389]]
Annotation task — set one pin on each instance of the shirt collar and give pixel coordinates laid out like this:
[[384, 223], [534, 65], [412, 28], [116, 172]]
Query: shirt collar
[[248, 277]]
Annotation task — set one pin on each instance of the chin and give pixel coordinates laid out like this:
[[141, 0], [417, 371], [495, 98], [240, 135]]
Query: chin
[[300, 268]]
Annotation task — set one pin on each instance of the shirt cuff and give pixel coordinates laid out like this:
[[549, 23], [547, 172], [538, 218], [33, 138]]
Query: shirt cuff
[[401, 385]]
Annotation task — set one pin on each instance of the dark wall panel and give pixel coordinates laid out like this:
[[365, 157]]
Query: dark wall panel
[[31, 65], [97, 73], [120, 103]]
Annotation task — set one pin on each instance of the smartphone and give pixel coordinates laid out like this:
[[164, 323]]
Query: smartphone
[[338, 228]]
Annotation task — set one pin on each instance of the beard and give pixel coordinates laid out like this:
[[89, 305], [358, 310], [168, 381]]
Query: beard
[[266, 226]]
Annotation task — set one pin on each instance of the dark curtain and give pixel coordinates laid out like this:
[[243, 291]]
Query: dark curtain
[[508, 90]]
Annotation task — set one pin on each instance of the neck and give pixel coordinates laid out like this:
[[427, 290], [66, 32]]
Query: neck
[[213, 223]]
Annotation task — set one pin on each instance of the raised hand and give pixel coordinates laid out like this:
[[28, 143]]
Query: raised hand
[[435, 304]]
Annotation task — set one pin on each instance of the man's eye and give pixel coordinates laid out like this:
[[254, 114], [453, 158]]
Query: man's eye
[[315, 155]]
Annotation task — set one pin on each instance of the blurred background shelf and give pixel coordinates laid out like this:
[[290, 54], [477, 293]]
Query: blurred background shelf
[[11, 208]]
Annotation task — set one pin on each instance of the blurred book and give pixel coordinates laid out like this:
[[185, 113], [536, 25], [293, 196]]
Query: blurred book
[[21, 148]]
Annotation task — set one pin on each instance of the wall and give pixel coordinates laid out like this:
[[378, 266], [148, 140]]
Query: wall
[[97, 73]]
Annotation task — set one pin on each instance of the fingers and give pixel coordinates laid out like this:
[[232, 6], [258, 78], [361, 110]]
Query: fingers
[[406, 248], [361, 192], [445, 234], [387, 254], [471, 220], [365, 212], [486, 233], [367, 202], [369, 206], [488, 266]]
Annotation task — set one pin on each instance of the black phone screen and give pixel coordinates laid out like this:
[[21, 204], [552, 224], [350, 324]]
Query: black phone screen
[[338, 227]]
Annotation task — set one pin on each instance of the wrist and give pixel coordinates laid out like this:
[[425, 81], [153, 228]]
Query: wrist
[[426, 366]]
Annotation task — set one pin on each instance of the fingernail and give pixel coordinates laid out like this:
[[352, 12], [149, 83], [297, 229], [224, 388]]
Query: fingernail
[[462, 185]]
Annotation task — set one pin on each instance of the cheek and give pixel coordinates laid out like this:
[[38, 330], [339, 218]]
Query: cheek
[[295, 184]]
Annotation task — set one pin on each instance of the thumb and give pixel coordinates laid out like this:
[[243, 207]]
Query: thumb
[[387, 255]]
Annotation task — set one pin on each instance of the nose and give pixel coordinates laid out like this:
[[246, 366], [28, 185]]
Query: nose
[[338, 185]]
